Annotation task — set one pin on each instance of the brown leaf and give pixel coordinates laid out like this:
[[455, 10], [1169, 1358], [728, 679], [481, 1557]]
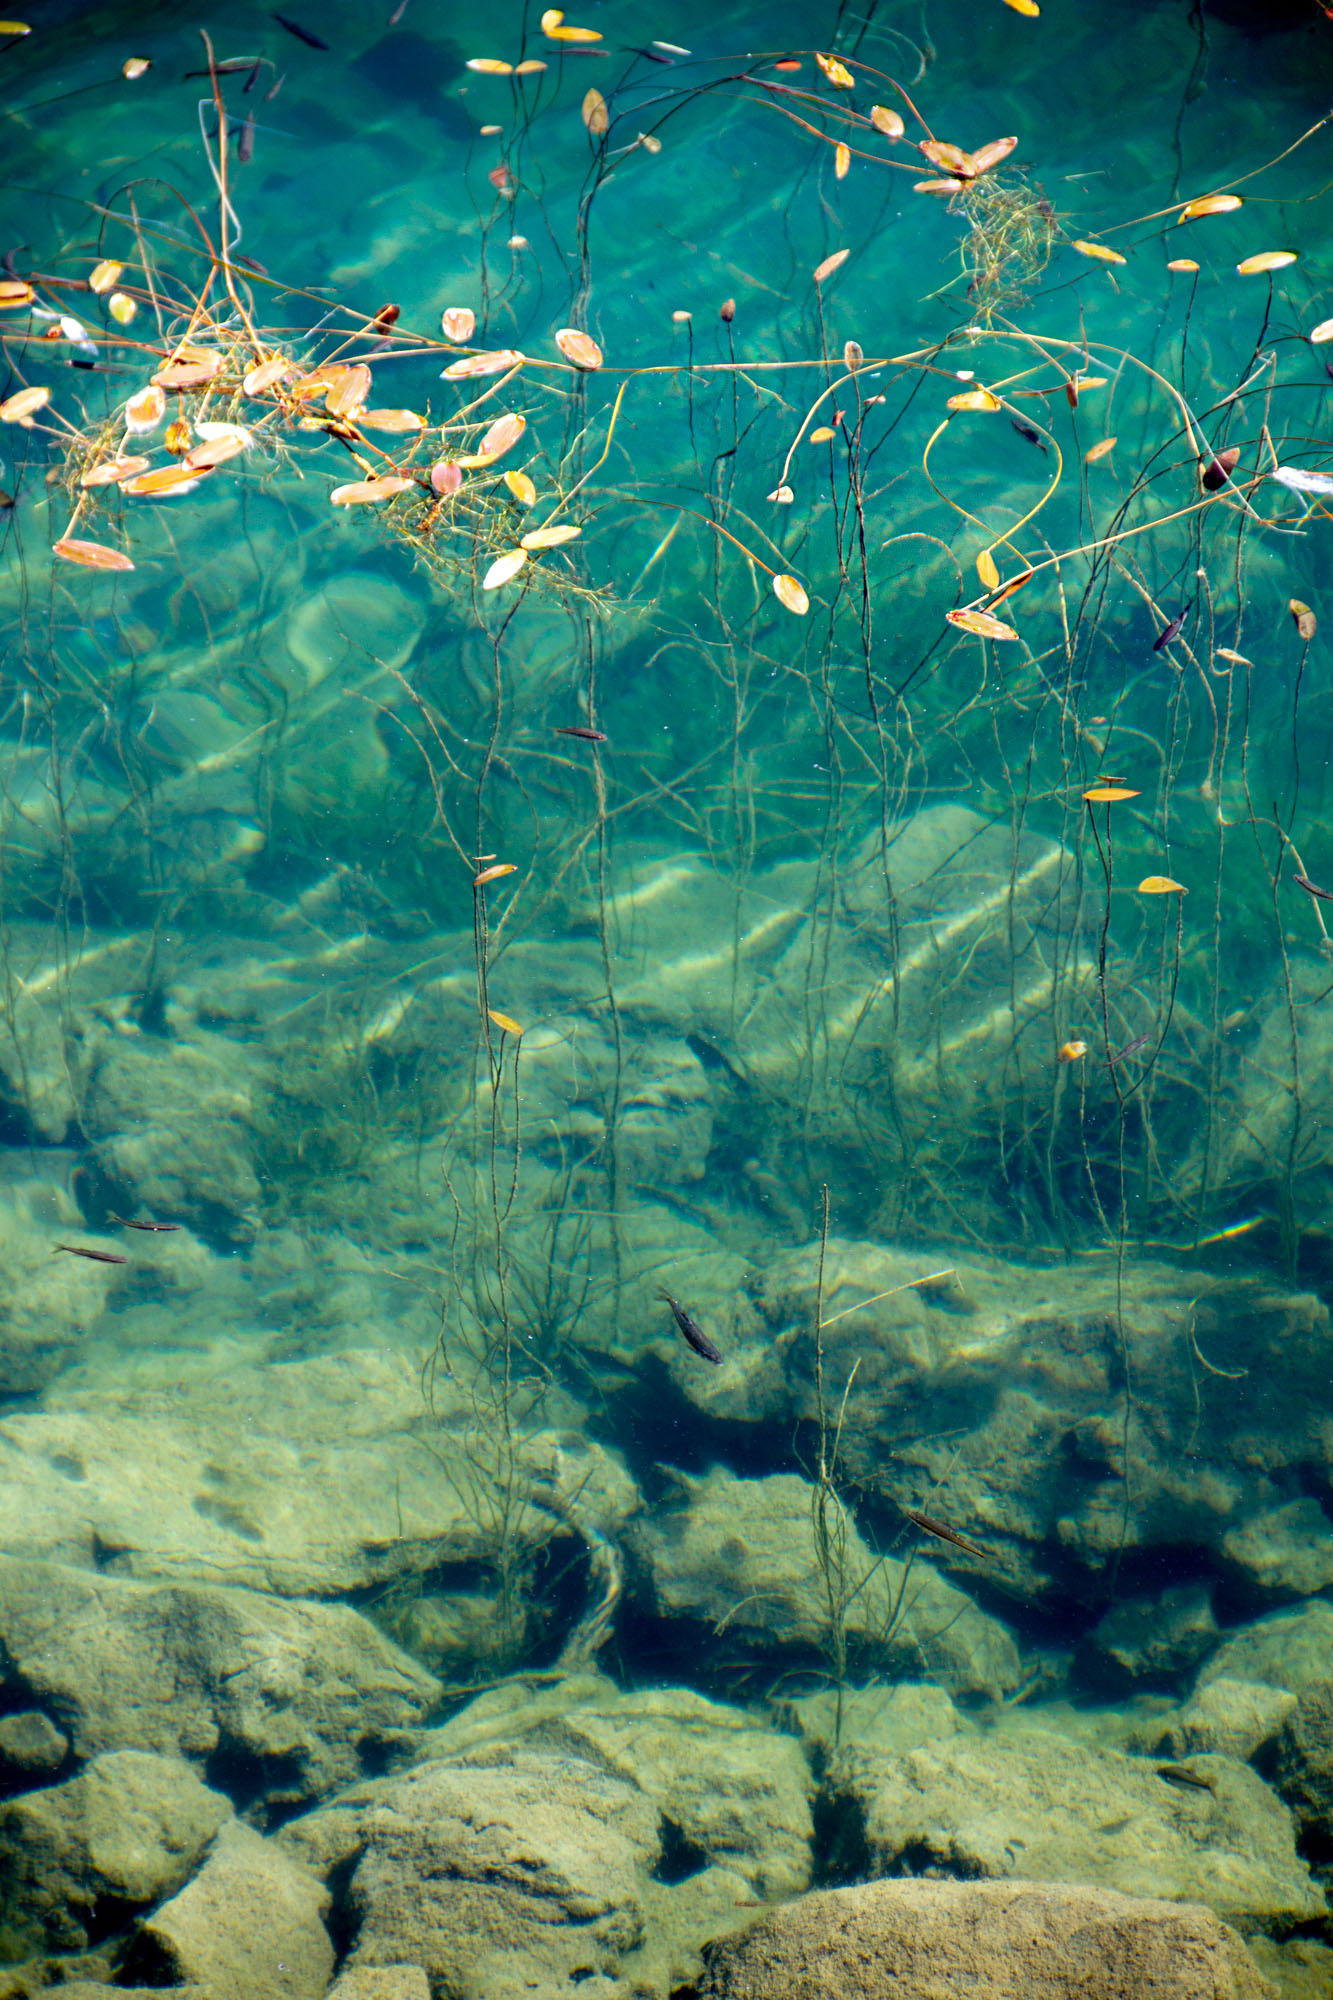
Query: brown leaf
[[886, 121], [579, 348], [1306, 622]]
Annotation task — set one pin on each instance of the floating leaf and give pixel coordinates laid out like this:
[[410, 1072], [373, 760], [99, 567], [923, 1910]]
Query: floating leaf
[[1028, 7], [494, 874], [1160, 885], [981, 623], [1306, 622], [974, 399], [551, 19], [164, 482], [1297, 480], [1209, 204], [493, 363], [459, 323], [363, 492], [134, 67], [23, 405], [1215, 472], [112, 470], [938, 187], [1096, 451], [1182, 264], [1319, 334], [522, 488], [990, 156], [650, 142], [397, 422], [1007, 589], [145, 410], [218, 429], [822, 433], [15, 28], [595, 114], [489, 66], [853, 355], [837, 73], [551, 538], [529, 68], [348, 387], [104, 275], [501, 437], [265, 374], [92, 555], [842, 161], [504, 569], [214, 451], [830, 265], [783, 495], [791, 594], [1099, 251], [1109, 795], [176, 437], [122, 308], [181, 375], [726, 312], [504, 1022], [446, 478], [951, 159], [558, 32], [15, 292], [986, 570], [1265, 260], [886, 121], [578, 348]]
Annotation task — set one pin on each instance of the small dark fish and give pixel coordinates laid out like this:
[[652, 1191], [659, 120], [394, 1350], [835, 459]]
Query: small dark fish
[[933, 1527], [588, 735], [157, 1227], [653, 55], [245, 145], [274, 88], [1116, 1825], [311, 41], [1130, 1048], [8, 260], [691, 1328], [398, 13], [93, 1256], [1189, 1781], [1171, 632], [1026, 431], [1312, 888], [252, 79]]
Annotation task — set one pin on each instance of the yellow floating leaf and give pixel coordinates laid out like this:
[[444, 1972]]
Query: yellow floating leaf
[[886, 121], [112, 470], [595, 114], [348, 387], [1306, 622], [822, 433], [551, 19], [938, 187], [830, 265], [15, 292], [493, 363], [177, 436], [1109, 795], [180, 375], [990, 156], [573, 35], [459, 323], [578, 348], [104, 275], [504, 569], [1008, 589], [974, 399], [265, 374], [842, 161], [1319, 334], [364, 492], [1099, 251], [145, 409], [522, 488], [1027, 7], [494, 874], [981, 623], [1182, 264], [92, 555], [1160, 885], [122, 308], [215, 451], [837, 73], [791, 593], [551, 538], [986, 570], [397, 422], [1209, 204], [134, 67], [502, 436], [14, 28], [1096, 451], [529, 68], [1265, 260], [23, 405], [504, 1022], [951, 159], [489, 66], [164, 482]]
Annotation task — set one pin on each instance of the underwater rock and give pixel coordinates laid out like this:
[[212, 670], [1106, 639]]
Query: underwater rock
[[738, 1556], [879, 1718], [1156, 1639], [664, 1123], [30, 1747], [456, 1866], [288, 1700], [48, 1302], [382, 1982], [1016, 1940], [732, 1792], [1287, 1552], [1026, 1803], [1237, 1718], [250, 1922], [1290, 1649], [77, 1860]]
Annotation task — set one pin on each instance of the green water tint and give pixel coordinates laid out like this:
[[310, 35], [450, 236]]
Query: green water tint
[[828, 904]]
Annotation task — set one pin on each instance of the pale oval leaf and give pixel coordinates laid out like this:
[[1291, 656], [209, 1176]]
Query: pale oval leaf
[[986, 570], [112, 470], [551, 538], [348, 387], [15, 292], [122, 308], [1160, 885], [23, 405], [397, 422], [595, 114], [164, 482], [579, 348], [830, 265], [459, 323], [489, 66], [981, 623], [445, 479], [842, 161], [950, 159], [265, 374], [145, 409], [493, 363], [104, 275], [522, 488], [974, 399], [790, 593], [1097, 251], [368, 492], [1209, 204], [91, 555], [990, 156], [504, 569], [1265, 260], [1098, 451], [886, 121]]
